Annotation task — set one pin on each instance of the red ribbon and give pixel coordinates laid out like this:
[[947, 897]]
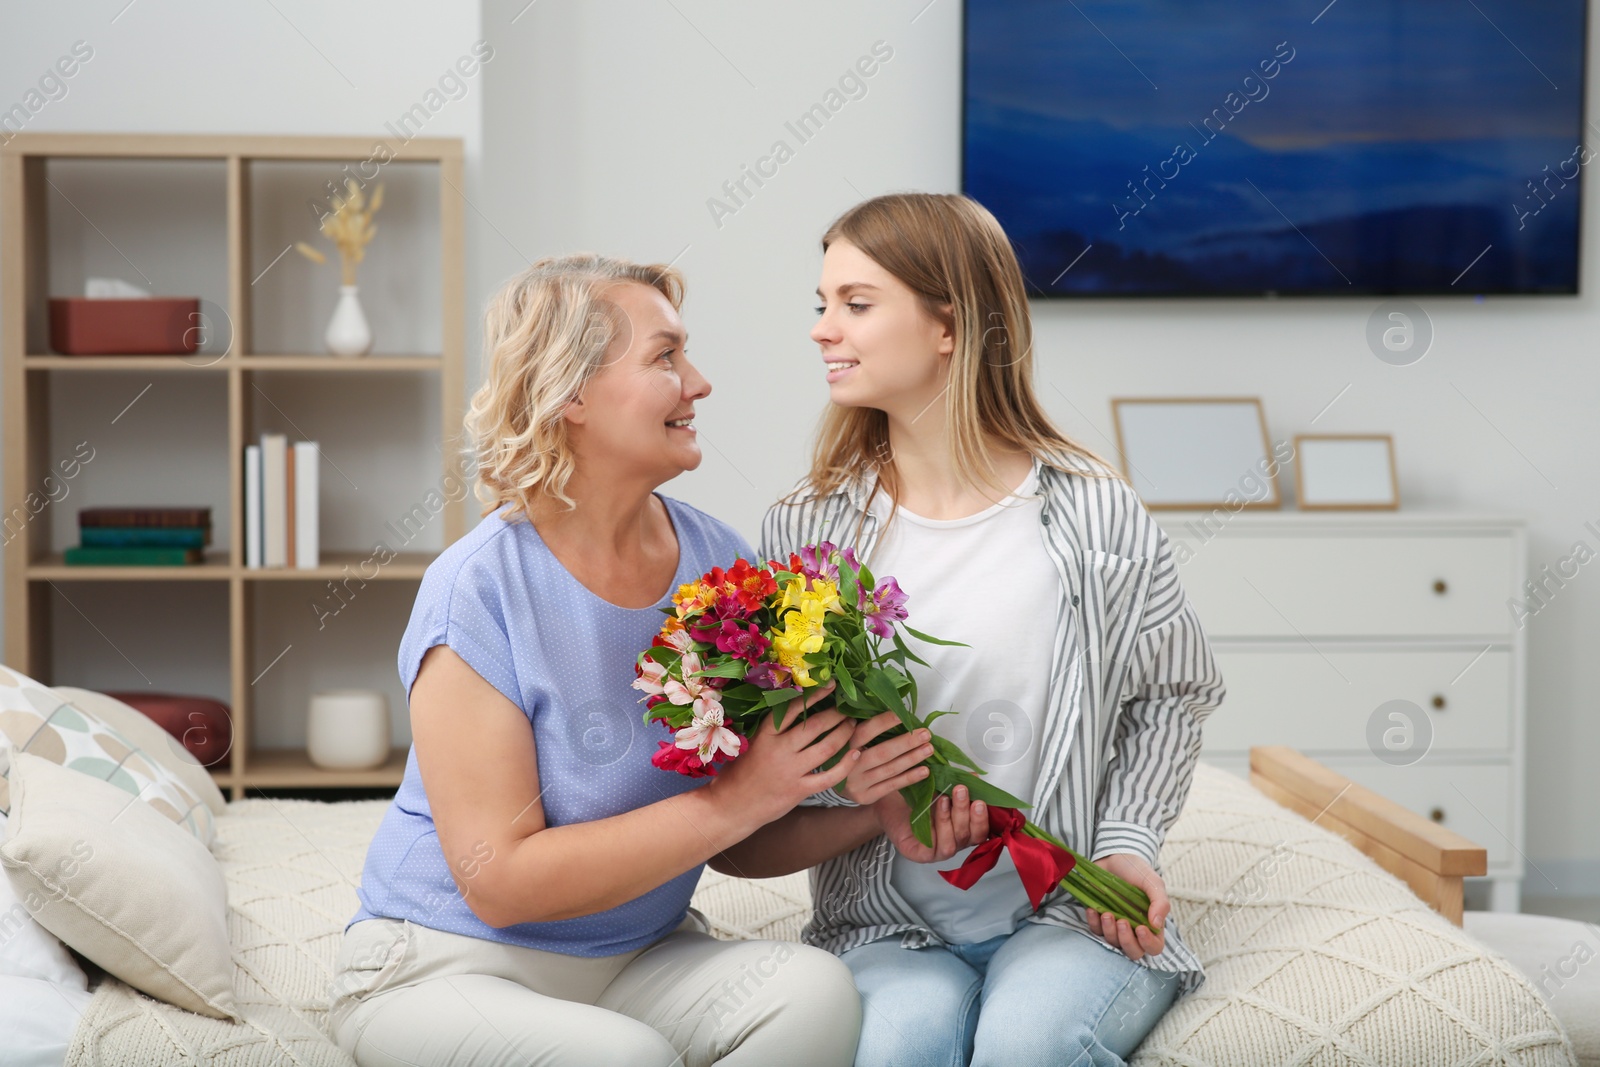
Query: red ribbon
[[1041, 864]]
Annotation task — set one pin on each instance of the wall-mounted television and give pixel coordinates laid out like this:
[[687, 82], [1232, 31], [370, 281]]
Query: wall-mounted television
[[1198, 148]]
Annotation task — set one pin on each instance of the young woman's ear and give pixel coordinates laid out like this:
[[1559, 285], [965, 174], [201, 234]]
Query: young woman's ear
[[946, 320]]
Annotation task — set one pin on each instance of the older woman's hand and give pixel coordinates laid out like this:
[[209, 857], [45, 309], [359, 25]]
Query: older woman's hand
[[780, 768]]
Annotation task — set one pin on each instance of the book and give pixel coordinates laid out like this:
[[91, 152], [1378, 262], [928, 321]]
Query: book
[[79, 556], [288, 507], [135, 536], [307, 511], [137, 516], [252, 506], [274, 474]]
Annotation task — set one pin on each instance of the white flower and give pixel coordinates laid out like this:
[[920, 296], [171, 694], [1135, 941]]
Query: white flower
[[707, 735]]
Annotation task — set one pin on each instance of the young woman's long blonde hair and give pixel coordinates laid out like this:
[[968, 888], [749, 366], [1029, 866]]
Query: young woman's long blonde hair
[[952, 253], [545, 335]]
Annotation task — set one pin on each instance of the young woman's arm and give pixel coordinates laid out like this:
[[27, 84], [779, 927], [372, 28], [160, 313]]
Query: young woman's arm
[[480, 769], [809, 835]]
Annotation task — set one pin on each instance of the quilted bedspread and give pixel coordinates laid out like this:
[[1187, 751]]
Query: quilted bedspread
[[1313, 954]]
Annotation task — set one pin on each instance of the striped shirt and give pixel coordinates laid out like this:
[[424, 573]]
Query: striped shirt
[[1131, 680]]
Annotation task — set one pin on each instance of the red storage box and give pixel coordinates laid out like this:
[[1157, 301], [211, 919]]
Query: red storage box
[[201, 724], [154, 326]]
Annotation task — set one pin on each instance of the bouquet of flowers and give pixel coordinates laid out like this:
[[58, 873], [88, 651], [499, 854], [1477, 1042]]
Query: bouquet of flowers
[[742, 642]]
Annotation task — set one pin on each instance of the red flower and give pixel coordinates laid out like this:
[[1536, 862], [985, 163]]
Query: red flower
[[669, 757]]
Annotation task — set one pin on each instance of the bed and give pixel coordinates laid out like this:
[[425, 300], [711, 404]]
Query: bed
[[1327, 919]]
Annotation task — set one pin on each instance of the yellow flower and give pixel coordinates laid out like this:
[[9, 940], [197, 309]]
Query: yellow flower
[[693, 597], [827, 594], [803, 633], [793, 593]]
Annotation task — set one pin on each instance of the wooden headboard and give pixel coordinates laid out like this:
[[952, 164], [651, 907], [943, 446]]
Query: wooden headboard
[[1424, 855]]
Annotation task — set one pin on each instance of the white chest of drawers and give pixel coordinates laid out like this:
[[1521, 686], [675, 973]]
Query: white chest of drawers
[[1383, 644]]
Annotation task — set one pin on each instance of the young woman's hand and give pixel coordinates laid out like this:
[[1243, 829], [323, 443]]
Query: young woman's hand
[[957, 824], [779, 769], [1134, 943], [886, 766]]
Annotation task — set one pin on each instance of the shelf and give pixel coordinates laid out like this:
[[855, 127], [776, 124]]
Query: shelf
[[213, 217], [202, 362], [340, 364], [404, 566], [291, 768], [213, 568]]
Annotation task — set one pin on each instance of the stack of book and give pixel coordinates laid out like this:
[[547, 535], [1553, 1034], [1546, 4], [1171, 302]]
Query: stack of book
[[132, 536], [280, 503]]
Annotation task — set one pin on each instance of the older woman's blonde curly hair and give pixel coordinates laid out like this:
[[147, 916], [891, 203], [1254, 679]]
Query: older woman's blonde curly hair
[[545, 335]]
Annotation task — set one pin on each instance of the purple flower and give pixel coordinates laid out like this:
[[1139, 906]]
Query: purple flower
[[888, 606], [768, 676], [816, 561]]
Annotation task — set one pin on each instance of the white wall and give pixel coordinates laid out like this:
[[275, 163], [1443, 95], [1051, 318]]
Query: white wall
[[607, 125]]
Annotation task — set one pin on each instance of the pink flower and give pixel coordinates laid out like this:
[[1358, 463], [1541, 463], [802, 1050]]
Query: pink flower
[[706, 698], [745, 642], [669, 757], [652, 677]]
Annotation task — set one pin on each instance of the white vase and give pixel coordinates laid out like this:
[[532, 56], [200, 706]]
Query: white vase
[[348, 729], [348, 333]]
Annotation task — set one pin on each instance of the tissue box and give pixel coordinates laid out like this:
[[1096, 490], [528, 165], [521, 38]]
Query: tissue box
[[163, 326]]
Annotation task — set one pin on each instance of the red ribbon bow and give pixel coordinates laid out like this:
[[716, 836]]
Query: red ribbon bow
[[1041, 864]]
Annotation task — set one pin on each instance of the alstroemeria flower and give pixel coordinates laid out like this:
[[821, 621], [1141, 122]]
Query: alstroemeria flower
[[745, 642], [887, 606], [708, 738], [652, 677], [803, 632], [766, 675], [704, 696]]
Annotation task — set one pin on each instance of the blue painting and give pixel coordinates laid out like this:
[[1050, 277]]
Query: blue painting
[[1195, 147]]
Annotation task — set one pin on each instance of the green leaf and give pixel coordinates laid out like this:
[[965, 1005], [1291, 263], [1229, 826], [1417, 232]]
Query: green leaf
[[920, 636], [848, 590], [864, 576], [949, 749], [733, 668], [881, 686], [847, 687], [919, 797], [948, 778], [776, 697], [900, 646]]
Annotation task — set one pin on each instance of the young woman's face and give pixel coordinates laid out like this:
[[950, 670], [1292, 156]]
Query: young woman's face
[[880, 349], [637, 412]]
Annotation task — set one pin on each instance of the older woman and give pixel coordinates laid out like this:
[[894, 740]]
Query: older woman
[[525, 900]]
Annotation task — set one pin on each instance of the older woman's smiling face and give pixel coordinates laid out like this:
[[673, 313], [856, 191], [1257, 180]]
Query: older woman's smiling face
[[637, 412]]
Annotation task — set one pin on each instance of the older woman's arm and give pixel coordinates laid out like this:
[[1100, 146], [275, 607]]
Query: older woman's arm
[[481, 773]]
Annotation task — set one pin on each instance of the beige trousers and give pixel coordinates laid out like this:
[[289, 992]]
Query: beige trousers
[[412, 995]]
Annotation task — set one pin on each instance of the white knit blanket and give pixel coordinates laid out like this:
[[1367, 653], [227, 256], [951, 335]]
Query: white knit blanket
[[1314, 955]]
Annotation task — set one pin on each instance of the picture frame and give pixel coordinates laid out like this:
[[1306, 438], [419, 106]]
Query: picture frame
[[1346, 472], [1196, 452]]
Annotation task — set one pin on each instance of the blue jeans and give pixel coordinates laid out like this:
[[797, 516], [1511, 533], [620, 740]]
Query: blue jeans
[[1040, 995]]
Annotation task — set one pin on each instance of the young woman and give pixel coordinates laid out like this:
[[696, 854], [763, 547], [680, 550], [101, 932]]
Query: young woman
[[525, 899], [1084, 686]]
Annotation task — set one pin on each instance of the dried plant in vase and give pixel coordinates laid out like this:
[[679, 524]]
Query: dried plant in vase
[[349, 226]]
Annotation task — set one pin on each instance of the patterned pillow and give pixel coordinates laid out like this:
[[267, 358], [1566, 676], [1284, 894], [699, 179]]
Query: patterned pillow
[[34, 718]]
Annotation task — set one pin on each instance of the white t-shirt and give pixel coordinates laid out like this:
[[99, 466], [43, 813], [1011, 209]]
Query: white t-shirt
[[986, 580]]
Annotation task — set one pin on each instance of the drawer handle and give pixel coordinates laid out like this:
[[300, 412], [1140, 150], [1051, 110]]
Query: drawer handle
[[1438, 701], [1437, 815], [1439, 586]]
